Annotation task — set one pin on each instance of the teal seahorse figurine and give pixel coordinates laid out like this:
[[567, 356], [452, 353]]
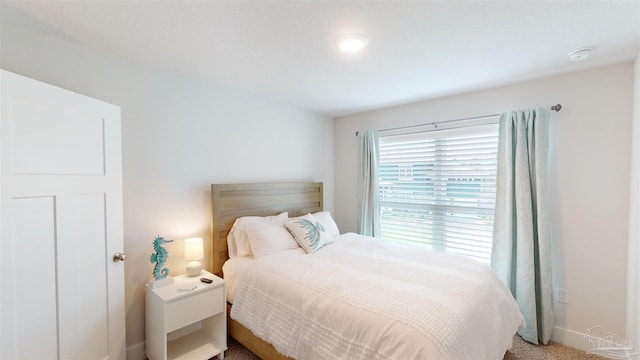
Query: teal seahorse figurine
[[160, 257]]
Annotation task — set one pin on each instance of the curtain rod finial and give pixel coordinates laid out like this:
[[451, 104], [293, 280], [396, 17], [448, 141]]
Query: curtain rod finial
[[557, 107]]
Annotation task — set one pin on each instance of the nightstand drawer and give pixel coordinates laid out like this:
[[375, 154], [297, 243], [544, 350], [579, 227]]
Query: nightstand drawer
[[185, 311]]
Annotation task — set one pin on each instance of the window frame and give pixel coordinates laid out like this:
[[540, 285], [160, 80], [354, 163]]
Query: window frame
[[436, 218]]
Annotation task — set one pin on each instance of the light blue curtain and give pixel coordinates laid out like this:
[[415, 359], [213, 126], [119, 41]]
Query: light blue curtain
[[368, 197], [521, 254]]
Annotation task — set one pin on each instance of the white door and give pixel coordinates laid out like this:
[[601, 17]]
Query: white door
[[61, 293]]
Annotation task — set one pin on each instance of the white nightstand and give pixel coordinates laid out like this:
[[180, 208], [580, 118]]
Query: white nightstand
[[186, 324]]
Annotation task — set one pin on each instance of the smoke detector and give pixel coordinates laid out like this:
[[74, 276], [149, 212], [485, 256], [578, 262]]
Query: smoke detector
[[580, 54]]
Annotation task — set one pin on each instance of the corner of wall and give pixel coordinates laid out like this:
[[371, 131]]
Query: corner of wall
[[633, 277], [136, 352]]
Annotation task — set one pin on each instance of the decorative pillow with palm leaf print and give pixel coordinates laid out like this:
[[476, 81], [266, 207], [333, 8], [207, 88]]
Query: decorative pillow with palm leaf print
[[308, 232], [324, 217]]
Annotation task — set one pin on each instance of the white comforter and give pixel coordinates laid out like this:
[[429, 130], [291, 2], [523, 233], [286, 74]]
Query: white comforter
[[360, 298]]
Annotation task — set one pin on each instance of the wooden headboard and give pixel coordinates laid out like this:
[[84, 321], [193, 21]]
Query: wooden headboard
[[230, 201]]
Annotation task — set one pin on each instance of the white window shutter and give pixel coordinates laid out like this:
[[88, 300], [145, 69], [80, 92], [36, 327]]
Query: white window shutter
[[437, 188]]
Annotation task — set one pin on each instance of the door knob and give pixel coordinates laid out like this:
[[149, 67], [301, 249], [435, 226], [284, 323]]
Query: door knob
[[119, 257]]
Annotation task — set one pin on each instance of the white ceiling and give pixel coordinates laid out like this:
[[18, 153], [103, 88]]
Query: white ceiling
[[283, 50]]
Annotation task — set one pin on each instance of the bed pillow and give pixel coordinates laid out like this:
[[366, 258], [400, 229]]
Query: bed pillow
[[268, 238], [308, 232], [324, 217], [238, 240]]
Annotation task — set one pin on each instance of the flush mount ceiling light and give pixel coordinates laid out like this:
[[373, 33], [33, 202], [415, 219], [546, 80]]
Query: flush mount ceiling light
[[351, 43], [580, 54]]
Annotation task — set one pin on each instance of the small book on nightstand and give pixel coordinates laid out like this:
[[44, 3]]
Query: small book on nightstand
[[187, 287]]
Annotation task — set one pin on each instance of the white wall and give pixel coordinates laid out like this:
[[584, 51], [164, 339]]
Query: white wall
[[179, 136], [589, 190]]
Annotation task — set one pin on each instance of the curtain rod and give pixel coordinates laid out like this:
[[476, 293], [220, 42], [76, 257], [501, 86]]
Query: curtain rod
[[556, 107]]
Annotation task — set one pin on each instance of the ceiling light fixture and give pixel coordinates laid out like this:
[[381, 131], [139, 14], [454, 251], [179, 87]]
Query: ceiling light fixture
[[580, 54], [351, 43]]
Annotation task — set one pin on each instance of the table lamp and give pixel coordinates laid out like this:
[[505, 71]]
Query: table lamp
[[193, 251]]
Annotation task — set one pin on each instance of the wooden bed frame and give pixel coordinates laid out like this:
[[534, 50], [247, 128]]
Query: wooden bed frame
[[230, 201]]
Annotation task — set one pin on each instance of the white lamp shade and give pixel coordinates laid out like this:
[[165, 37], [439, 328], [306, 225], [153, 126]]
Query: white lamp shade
[[193, 249]]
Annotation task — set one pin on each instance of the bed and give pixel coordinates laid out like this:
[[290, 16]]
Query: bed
[[302, 304]]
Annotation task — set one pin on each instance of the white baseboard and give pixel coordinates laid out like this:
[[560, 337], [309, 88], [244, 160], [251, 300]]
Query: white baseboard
[[559, 335], [568, 338], [136, 352], [577, 340]]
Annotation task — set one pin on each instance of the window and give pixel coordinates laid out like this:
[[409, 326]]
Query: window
[[437, 188]]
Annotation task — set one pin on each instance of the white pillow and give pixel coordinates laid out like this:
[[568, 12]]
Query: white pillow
[[238, 241], [308, 232], [324, 217], [266, 238]]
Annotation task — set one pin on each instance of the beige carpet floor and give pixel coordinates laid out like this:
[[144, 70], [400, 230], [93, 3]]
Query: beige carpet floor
[[521, 350]]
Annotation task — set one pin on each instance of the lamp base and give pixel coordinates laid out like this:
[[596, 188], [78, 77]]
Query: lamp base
[[194, 268]]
